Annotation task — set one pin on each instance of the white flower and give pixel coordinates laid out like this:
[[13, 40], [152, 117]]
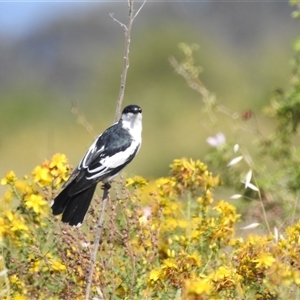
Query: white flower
[[236, 148], [235, 161], [236, 196], [251, 226], [216, 141]]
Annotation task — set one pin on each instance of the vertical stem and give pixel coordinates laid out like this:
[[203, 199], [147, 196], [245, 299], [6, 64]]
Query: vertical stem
[[98, 231], [125, 60], [98, 235]]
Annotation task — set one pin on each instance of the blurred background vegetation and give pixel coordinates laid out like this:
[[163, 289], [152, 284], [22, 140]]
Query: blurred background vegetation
[[75, 56]]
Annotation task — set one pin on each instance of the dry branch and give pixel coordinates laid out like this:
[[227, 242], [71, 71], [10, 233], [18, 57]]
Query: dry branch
[[98, 229]]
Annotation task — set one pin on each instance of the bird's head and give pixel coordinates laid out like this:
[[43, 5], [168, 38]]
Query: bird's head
[[131, 109], [131, 116]]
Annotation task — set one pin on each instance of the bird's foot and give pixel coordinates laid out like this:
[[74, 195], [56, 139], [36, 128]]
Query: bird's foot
[[106, 186]]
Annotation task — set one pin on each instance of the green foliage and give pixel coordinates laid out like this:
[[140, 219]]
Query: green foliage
[[266, 173], [295, 4], [285, 109]]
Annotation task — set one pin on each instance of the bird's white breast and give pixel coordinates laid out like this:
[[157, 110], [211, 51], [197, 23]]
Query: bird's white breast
[[133, 124]]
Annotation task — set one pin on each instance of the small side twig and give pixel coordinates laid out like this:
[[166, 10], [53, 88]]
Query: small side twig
[[81, 119], [97, 241]]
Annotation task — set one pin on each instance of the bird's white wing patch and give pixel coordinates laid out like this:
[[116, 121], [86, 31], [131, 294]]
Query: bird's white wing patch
[[88, 157], [112, 162], [119, 158]]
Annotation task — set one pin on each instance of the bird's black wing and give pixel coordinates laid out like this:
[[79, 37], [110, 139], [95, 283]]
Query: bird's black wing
[[93, 152], [107, 156]]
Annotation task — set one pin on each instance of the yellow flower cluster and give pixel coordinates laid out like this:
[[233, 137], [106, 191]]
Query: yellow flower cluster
[[192, 176], [199, 253], [53, 172], [176, 269], [166, 239], [136, 181], [24, 226], [31, 200]]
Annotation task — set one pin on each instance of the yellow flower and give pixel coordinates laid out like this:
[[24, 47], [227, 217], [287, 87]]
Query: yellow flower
[[8, 195], [35, 202], [222, 273], [4, 229], [183, 223], [19, 225], [296, 277], [165, 186], [42, 175], [154, 275], [35, 266], [13, 279], [59, 161], [198, 286], [19, 297], [9, 178], [264, 260], [136, 181], [59, 168], [171, 224], [226, 210], [17, 222], [22, 186], [170, 263], [57, 266], [9, 215], [194, 259]]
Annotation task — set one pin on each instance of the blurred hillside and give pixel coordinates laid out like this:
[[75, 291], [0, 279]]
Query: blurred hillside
[[245, 50]]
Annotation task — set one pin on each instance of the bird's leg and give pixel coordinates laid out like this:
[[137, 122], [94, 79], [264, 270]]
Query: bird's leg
[[106, 186]]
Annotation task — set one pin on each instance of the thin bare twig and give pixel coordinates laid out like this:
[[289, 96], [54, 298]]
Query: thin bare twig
[[138, 11], [81, 119], [98, 235], [119, 22], [127, 28], [98, 230]]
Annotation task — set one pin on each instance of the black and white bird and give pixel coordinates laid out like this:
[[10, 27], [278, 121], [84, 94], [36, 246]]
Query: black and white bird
[[108, 155]]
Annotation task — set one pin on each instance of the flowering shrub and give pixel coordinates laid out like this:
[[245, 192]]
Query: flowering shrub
[[166, 239], [26, 232]]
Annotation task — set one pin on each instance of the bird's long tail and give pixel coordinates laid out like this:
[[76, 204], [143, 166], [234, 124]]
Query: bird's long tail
[[73, 208]]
